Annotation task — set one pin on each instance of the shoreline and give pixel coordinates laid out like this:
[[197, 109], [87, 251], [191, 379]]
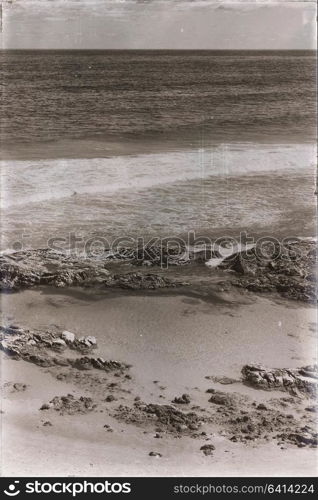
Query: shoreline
[[122, 368], [287, 269]]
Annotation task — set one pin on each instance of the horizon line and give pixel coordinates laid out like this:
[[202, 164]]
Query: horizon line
[[156, 50]]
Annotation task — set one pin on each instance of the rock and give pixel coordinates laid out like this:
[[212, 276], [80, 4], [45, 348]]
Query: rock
[[286, 269], [17, 344], [181, 427], [88, 341], [92, 340], [261, 406], [207, 449], [194, 427], [47, 424], [59, 344], [68, 337], [137, 281], [296, 381], [83, 363], [9, 349], [223, 380], [168, 418], [221, 398], [71, 405], [301, 438], [40, 360], [45, 406], [28, 268], [19, 387], [184, 399], [110, 398], [155, 454]]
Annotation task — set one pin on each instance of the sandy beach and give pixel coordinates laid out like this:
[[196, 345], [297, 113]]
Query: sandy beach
[[176, 345]]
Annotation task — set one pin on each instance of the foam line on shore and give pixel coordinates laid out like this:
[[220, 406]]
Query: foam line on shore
[[25, 182]]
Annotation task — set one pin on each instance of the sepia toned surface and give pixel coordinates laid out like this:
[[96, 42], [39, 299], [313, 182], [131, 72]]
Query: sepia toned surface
[[158, 238]]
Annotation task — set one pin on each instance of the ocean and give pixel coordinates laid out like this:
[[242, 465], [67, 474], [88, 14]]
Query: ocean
[[156, 143]]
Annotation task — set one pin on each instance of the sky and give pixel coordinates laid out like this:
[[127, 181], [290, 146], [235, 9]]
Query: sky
[[158, 24]]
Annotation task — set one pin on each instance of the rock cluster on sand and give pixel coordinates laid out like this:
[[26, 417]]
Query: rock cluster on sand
[[70, 405], [165, 417], [295, 381], [287, 420], [288, 269], [48, 349], [207, 449]]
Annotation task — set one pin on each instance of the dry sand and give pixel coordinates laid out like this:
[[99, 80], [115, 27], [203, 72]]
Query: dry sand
[[173, 342]]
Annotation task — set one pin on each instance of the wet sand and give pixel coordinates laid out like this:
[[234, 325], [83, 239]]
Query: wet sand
[[173, 342]]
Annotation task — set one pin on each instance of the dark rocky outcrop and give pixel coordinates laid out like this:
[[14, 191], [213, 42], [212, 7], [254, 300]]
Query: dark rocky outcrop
[[48, 349], [70, 405], [29, 268], [289, 269], [299, 381], [168, 418], [284, 268]]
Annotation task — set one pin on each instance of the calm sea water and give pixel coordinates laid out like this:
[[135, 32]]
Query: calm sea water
[[117, 143]]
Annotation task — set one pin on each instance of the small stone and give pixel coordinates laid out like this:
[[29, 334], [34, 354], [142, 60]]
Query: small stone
[[110, 398], [193, 427], [219, 399], [207, 449], [59, 343], [155, 454], [92, 340], [261, 406], [184, 399], [47, 424], [88, 341], [45, 406], [312, 409]]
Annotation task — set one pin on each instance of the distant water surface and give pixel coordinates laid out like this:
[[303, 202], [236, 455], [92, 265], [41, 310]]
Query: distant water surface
[[156, 142]]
